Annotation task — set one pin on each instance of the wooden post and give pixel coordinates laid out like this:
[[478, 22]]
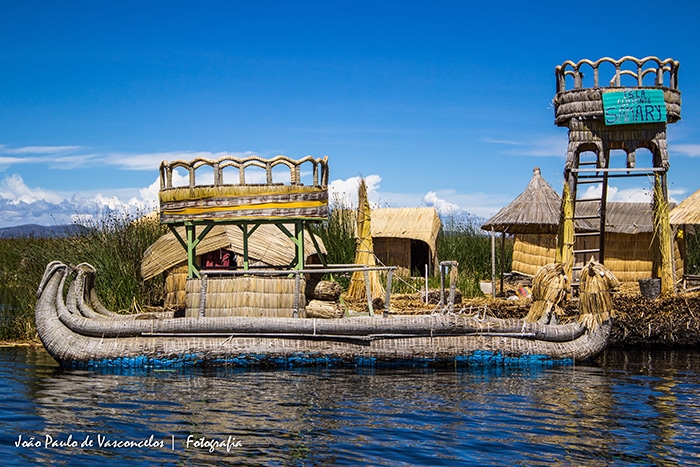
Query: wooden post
[[493, 262], [389, 277]]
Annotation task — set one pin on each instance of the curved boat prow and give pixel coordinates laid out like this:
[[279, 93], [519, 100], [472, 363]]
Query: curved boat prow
[[51, 268]]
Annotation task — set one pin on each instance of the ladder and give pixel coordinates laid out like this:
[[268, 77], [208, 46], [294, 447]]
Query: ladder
[[588, 214]]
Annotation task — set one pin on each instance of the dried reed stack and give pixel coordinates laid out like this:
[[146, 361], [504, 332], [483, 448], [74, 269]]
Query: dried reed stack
[[565, 241], [257, 296], [364, 252], [550, 287], [661, 242], [595, 301]]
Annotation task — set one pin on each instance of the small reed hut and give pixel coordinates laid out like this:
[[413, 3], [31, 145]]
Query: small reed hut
[[221, 248], [533, 220], [406, 237], [684, 219]]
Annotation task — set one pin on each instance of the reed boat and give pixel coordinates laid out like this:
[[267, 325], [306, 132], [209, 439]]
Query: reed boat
[[78, 331]]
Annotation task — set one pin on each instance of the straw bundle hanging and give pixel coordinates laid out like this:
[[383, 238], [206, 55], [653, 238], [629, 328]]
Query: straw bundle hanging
[[565, 241], [549, 289], [364, 252], [595, 301], [661, 243]]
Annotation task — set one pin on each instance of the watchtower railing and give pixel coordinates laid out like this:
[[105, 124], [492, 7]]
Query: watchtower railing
[[662, 67], [319, 167]]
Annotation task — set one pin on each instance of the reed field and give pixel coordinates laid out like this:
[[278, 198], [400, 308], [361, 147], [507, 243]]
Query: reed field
[[114, 245]]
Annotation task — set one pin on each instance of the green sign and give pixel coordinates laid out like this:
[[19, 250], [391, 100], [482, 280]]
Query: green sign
[[634, 106]]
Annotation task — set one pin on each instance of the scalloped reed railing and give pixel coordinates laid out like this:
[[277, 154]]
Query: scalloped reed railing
[[667, 66], [320, 169]]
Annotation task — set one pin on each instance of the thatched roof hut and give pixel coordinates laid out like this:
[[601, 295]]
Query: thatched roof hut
[[628, 237], [687, 212], [267, 245], [533, 220], [535, 211], [406, 237], [629, 232]]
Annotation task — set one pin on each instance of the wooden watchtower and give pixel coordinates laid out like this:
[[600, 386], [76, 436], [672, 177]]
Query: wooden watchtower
[[614, 106]]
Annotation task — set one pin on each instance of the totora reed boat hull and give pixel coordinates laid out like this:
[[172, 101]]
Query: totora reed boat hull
[[79, 332]]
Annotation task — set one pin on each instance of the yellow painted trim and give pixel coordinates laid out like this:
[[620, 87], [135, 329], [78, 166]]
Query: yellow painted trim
[[245, 207]]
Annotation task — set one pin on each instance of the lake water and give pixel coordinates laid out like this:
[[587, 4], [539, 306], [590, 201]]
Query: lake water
[[636, 407]]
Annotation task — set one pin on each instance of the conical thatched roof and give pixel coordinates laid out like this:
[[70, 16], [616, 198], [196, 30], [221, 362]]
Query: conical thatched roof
[[267, 244], [536, 210], [687, 212]]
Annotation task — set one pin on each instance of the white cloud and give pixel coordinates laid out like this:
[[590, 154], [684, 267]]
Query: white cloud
[[344, 192], [40, 149], [7, 161], [615, 194], [151, 161], [550, 146], [692, 150], [443, 207], [21, 204], [14, 190]]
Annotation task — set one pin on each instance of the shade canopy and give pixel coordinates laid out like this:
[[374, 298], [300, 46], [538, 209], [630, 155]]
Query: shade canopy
[[268, 244]]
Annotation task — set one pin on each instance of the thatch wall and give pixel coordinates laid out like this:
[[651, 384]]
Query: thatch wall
[[393, 251], [175, 286], [253, 296], [628, 256], [531, 252]]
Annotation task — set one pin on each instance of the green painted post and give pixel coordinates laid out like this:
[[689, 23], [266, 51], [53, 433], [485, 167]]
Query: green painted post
[[299, 235], [246, 262], [191, 250]]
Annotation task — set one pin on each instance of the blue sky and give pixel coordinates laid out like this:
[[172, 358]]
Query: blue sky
[[436, 103]]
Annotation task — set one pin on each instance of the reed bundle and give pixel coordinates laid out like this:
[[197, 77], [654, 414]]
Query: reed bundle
[[549, 289], [661, 243], [595, 300], [244, 296], [364, 253], [565, 239]]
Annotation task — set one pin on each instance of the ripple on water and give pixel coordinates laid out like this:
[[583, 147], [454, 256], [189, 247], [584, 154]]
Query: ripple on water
[[635, 408]]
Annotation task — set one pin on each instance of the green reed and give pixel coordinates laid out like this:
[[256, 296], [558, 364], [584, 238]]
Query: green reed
[[113, 244]]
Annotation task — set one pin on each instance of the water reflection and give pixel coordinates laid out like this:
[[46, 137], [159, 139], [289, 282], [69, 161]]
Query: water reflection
[[635, 407]]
